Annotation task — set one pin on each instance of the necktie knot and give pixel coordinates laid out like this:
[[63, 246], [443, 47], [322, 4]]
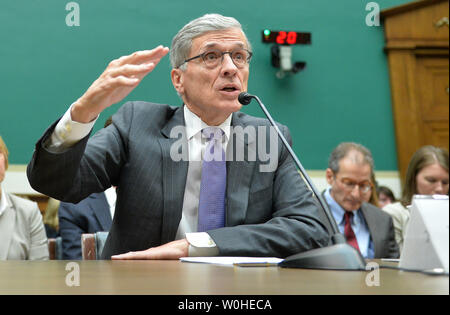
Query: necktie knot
[[348, 216], [212, 133], [214, 150]]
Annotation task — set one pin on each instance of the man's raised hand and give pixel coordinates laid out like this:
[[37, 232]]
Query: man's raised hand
[[116, 82]]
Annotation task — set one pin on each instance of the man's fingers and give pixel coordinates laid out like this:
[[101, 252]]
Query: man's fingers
[[126, 256], [131, 256], [131, 70], [143, 56], [146, 56], [121, 81], [138, 64], [171, 250]]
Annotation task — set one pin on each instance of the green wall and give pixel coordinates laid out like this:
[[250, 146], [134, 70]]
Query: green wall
[[342, 95]]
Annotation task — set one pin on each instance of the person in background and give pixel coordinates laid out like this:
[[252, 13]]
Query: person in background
[[371, 195], [22, 233], [427, 174], [385, 196], [51, 218], [365, 227], [91, 215]]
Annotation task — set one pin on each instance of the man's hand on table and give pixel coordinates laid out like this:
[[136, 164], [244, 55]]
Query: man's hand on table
[[172, 250]]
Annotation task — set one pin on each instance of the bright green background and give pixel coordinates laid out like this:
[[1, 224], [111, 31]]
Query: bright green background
[[342, 95]]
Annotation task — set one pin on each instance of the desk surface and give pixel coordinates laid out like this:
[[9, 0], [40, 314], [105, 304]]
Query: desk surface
[[178, 278]]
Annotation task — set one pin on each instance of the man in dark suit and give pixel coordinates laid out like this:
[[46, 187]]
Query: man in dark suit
[[90, 215], [169, 207], [365, 226]]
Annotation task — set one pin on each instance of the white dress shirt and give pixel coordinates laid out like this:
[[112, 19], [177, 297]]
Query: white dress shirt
[[3, 201], [111, 197], [203, 245], [68, 132]]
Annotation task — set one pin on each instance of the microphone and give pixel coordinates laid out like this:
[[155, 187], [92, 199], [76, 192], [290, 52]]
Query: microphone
[[245, 98], [340, 255]]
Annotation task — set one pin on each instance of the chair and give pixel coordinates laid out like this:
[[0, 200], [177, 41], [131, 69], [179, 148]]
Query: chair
[[55, 248], [92, 245]]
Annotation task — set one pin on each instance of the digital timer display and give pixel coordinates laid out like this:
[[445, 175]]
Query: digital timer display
[[286, 37]]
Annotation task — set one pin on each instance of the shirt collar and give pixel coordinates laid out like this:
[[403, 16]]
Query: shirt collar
[[337, 211], [111, 196], [3, 201], [194, 124]]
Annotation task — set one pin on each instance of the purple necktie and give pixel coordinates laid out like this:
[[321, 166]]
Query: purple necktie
[[211, 209]]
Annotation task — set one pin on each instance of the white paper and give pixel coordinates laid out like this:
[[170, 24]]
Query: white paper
[[230, 261]]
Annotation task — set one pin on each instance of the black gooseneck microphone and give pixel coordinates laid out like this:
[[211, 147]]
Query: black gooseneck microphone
[[340, 255]]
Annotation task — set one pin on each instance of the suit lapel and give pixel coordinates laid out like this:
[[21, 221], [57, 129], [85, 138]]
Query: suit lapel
[[372, 224], [7, 224], [100, 208], [239, 174], [174, 174]]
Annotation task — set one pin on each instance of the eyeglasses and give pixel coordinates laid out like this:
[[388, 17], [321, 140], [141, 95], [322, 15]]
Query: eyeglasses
[[212, 58], [348, 184]]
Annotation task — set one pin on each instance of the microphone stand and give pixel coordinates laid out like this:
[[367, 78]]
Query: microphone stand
[[340, 255]]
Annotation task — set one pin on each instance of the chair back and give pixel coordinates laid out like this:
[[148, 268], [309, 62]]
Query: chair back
[[55, 248], [100, 240], [92, 245]]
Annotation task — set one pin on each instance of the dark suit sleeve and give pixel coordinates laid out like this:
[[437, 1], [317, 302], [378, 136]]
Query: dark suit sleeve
[[294, 225], [82, 169], [70, 230]]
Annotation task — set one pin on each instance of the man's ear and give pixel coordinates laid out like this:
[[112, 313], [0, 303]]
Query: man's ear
[[329, 175], [177, 80]]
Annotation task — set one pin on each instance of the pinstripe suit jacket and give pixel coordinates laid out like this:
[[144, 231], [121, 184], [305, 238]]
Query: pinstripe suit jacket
[[267, 213]]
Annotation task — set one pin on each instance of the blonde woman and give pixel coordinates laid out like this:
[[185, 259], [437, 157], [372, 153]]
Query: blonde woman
[[427, 174], [22, 233]]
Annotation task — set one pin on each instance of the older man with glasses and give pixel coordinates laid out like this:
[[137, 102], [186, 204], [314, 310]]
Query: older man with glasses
[[365, 227], [168, 208]]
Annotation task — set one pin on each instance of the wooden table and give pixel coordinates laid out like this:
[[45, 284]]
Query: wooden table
[[179, 278]]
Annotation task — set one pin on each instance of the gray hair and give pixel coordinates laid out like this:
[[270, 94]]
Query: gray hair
[[182, 42], [343, 149]]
